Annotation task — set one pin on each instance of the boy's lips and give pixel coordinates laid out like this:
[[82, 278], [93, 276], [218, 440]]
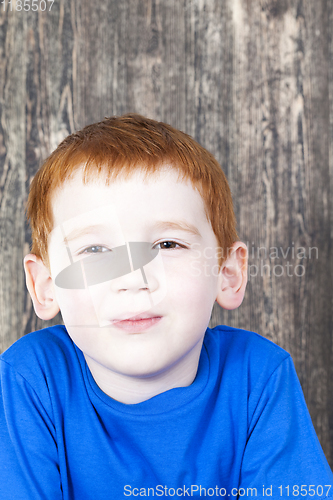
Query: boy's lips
[[138, 323]]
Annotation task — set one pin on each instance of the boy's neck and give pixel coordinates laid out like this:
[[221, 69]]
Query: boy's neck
[[132, 390]]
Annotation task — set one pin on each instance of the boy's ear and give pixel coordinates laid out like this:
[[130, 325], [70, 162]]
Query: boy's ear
[[40, 286], [233, 277]]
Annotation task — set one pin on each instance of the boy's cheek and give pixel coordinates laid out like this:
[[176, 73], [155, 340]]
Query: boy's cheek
[[203, 268], [76, 307]]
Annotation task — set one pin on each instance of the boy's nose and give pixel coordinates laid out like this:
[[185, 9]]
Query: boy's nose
[[134, 281]]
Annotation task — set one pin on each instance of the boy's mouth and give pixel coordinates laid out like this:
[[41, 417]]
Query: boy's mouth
[[136, 324]]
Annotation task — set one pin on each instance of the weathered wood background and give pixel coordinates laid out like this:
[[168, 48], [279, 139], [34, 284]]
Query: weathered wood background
[[251, 80]]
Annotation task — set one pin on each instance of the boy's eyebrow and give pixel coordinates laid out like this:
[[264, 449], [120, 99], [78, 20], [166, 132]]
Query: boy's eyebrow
[[82, 231], [161, 225], [180, 225]]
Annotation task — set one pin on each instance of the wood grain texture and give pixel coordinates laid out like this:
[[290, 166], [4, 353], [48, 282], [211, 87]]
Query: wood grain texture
[[252, 81], [282, 189]]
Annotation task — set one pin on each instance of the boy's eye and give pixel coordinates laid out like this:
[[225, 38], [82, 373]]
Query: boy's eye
[[166, 245], [95, 249], [163, 245]]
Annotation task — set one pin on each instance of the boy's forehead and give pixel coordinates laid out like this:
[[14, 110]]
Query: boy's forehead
[[102, 198], [92, 220]]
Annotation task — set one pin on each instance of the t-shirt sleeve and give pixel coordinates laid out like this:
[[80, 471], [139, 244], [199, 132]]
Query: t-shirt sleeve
[[28, 450], [283, 457]]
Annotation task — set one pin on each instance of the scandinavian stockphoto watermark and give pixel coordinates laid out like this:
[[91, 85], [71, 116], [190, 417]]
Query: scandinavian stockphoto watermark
[[279, 261], [263, 261]]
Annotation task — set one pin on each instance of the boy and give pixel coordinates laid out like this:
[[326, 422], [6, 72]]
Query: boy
[[133, 241]]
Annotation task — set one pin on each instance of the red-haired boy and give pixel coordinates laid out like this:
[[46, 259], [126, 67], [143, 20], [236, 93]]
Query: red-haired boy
[[134, 240]]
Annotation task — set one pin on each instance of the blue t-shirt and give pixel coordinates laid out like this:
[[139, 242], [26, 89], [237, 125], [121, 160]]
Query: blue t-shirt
[[241, 428]]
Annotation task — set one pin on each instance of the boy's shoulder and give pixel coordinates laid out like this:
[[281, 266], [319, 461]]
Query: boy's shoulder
[[49, 349], [244, 341], [243, 354], [55, 335]]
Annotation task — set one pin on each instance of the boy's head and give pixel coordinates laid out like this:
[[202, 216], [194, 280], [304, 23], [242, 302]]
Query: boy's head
[[138, 195], [119, 146]]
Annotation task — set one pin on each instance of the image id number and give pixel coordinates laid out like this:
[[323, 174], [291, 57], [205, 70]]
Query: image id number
[[27, 5], [305, 490]]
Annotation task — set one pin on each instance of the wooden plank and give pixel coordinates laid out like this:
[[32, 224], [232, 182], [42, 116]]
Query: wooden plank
[[12, 176], [282, 189]]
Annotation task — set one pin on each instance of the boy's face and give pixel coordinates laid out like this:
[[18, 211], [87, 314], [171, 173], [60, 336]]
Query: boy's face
[[176, 289]]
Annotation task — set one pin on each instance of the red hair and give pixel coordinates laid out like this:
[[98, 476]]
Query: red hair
[[117, 146]]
